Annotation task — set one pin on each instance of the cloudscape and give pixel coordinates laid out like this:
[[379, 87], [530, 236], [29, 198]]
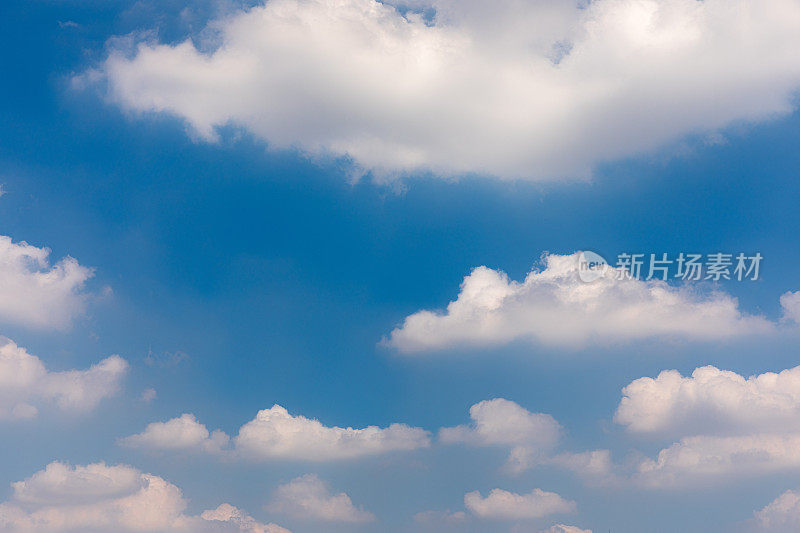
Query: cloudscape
[[321, 266]]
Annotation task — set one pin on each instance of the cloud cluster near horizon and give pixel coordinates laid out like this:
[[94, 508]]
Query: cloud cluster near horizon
[[518, 90], [276, 434], [100, 498]]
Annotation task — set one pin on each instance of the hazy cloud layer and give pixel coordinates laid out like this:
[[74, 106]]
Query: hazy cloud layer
[[310, 498]]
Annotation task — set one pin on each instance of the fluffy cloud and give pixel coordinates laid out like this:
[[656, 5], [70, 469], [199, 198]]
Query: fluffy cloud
[[514, 89], [553, 306], [705, 459], [100, 498], [712, 401], [531, 437], [228, 515], [790, 302], [728, 425], [501, 421], [308, 497], [506, 423], [182, 433], [276, 434], [35, 294], [782, 515], [504, 505], [25, 383]]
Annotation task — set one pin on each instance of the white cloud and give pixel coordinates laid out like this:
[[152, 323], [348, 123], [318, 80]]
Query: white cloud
[[528, 90], [728, 425], [35, 294], [276, 434], [98, 498], [501, 421], [531, 437], [561, 528], [228, 514], [554, 307], [790, 302], [702, 459], [182, 433], [504, 505], [782, 515], [25, 383], [308, 497], [506, 423], [712, 401]]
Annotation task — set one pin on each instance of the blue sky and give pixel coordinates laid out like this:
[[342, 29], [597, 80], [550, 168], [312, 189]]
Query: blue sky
[[232, 275]]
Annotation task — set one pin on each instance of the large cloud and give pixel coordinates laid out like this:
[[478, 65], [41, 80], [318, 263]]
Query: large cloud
[[553, 306], [726, 425], [309, 498], [35, 294], [25, 383], [97, 498], [703, 459], [517, 89], [712, 401], [504, 505], [276, 434]]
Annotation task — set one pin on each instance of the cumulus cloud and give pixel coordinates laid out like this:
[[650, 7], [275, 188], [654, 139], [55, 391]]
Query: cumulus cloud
[[503, 505], [276, 434], [308, 497], [531, 437], [26, 384], [506, 423], [99, 498], [530, 90], [782, 515], [554, 307], [182, 433], [790, 302], [728, 425], [712, 401], [34, 293], [703, 459]]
